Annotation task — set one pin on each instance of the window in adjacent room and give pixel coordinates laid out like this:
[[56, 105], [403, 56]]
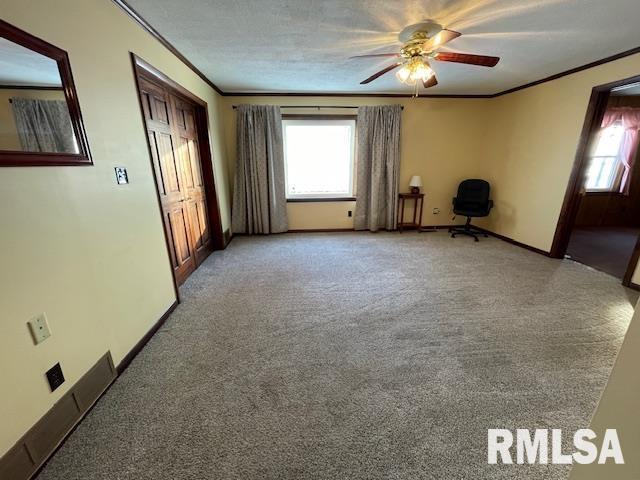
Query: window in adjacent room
[[605, 168], [319, 158]]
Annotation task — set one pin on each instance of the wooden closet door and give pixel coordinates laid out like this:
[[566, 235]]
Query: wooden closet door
[[193, 187], [164, 142]]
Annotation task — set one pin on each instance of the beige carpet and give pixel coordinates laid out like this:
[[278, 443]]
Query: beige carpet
[[357, 356]]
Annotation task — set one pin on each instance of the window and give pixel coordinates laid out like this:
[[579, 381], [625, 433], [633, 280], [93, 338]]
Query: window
[[319, 158], [605, 168]]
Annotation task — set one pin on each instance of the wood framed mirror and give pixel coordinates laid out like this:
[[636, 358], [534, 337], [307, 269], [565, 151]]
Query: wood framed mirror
[[40, 120]]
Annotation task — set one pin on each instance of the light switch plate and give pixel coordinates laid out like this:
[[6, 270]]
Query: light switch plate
[[122, 178], [39, 328]]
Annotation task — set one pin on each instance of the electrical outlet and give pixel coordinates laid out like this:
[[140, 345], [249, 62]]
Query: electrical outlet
[[39, 327], [55, 376], [436, 211], [349, 213]]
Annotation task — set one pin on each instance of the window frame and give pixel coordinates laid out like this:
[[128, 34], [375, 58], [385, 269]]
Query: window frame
[[616, 178], [329, 197]]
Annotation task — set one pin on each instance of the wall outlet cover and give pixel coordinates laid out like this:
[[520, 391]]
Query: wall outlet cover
[[39, 328], [55, 376]]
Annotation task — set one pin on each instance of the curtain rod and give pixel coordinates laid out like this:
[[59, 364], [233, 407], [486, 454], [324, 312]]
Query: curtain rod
[[315, 106]]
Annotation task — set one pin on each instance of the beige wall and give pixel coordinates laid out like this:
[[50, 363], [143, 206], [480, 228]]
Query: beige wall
[[440, 140], [9, 139], [619, 408], [524, 143], [530, 149], [75, 245]]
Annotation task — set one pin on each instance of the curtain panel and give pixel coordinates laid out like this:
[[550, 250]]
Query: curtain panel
[[44, 125], [378, 165], [630, 120], [259, 199]]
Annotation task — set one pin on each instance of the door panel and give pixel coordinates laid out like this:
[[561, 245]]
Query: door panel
[[163, 140], [202, 221], [178, 223], [191, 168]]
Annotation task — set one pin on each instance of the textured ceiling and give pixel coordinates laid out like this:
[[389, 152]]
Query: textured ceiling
[[21, 66], [304, 45]]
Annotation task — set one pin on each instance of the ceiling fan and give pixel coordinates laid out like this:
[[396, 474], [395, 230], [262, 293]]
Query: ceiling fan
[[420, 44]]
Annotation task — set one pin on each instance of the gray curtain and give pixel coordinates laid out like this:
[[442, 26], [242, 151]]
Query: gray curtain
[[378, 167], [259, 199], [44, 125]]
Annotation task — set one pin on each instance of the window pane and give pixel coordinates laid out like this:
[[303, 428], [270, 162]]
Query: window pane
[[609, 141], [601, 173], [319, 157]]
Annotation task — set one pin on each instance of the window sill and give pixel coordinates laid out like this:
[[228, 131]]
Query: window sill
[[321, 199], [603, 192]]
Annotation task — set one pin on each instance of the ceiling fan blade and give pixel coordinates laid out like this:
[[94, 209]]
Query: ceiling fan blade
[[380, 73], [439, 39], [376, 55], [431, 82], [482, 60]]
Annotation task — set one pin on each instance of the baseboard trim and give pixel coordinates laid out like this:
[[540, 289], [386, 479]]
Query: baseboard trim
[[338, 230], [633, 286], [227, 236], [439, 227], [320, 230], [32, 452], [124, 363], [514, 242]]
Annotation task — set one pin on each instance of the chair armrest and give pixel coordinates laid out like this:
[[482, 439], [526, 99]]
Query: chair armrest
[[453, 202], [490, 204]]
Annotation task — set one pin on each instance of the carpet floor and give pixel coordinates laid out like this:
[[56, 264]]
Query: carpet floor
[[357, 356], [607, 249]]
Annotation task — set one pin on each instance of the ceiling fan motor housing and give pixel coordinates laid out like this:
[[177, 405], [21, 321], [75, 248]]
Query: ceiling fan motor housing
[[414, 36], [419, 31]]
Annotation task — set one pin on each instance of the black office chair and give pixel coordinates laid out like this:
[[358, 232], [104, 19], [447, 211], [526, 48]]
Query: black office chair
[[472, 201]]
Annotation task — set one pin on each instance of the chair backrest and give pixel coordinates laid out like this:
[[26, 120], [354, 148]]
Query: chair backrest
[[474, 191]]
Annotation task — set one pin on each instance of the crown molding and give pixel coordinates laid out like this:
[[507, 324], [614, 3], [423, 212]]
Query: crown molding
[[145, 25], [333, 94], [139, 19], [571, 71]]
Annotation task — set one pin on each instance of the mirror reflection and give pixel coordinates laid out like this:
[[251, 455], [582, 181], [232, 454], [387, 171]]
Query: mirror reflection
[[34, 115]]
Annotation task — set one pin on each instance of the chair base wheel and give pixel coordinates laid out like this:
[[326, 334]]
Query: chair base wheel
[[467, 230]]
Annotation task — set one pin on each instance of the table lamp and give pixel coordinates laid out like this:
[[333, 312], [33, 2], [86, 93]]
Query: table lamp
[[415, 184]]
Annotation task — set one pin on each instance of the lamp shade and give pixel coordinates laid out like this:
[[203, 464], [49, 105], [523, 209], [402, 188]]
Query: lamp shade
[[416, 181]]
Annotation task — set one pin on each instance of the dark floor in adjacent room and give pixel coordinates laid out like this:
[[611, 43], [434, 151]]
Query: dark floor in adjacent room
[[357, 356], [607, 249]]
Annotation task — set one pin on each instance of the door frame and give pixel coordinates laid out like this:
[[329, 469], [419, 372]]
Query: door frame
[[566, 221], [141, 68]]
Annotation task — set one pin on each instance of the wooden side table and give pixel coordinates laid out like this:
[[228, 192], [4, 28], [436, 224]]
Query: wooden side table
[[418, 202]]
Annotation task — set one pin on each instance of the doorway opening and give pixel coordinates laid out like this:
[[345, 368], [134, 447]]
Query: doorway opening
[[599, 224], [176, 126]]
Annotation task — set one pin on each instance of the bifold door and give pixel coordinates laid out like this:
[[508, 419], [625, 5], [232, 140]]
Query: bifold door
[[171, 126]]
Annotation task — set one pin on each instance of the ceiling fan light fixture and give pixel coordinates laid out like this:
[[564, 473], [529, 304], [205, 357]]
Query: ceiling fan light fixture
[[404, 73], [422, 72], [417, 69]]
